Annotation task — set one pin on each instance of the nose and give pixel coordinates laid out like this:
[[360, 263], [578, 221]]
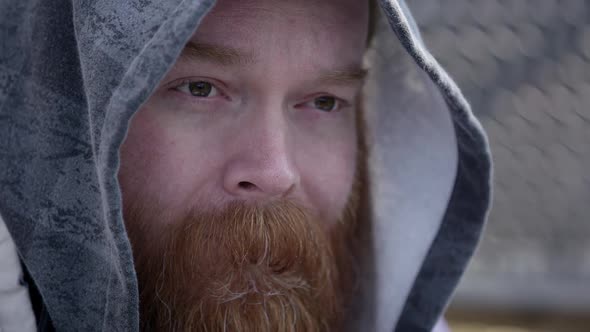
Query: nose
[[261, 166]]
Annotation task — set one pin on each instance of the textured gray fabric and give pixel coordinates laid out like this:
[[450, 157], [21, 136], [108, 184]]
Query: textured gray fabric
[[72, 73]]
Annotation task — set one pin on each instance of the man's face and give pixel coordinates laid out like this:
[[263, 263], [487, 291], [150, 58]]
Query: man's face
[[259, 109], [262, 108]]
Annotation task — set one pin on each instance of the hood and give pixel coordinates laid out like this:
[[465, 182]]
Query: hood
[[72, 73]]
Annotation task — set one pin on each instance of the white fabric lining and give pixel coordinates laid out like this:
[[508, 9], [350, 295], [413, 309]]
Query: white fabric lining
[[16, 312], [412, 172]]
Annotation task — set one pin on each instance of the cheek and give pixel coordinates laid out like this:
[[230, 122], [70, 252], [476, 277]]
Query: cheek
[[155, 166], [327, 174]]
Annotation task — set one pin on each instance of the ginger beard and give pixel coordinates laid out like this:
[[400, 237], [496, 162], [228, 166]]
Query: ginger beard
[[272, 267], [245, 268]]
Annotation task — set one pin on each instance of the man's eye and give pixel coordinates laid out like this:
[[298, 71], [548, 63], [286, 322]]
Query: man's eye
[[200, 89], [326, 103]]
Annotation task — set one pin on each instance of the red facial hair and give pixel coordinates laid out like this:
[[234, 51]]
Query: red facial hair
[[245, 268]]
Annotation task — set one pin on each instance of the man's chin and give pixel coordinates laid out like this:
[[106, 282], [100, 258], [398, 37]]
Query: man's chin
[[245, 268]]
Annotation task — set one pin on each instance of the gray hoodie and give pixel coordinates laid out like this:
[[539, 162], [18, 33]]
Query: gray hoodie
[[73, 72]]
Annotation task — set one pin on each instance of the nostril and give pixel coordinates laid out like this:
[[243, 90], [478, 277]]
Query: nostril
[[246, 185]]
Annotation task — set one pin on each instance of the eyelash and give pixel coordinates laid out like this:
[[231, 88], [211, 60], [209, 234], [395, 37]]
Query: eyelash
[[187, 82], [341, 103]]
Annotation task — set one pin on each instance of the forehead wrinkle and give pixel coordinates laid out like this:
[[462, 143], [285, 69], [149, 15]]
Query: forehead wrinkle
[[223, 55]]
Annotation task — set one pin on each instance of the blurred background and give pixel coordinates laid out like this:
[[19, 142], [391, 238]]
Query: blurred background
[[525, 67]]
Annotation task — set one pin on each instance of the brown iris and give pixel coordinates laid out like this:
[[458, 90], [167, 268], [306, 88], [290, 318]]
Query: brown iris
[[325, 103], [200, 89]]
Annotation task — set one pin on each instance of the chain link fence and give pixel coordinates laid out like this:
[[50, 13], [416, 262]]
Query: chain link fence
[[525, 67]]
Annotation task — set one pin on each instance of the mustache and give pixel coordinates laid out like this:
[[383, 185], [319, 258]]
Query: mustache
[[276, 237]]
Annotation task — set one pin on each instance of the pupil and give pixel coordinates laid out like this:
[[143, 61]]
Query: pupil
[[200, 89], [325, 103]]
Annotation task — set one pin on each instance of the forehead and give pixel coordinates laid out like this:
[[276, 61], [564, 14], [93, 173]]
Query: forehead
[[329, 11], [257, 27]]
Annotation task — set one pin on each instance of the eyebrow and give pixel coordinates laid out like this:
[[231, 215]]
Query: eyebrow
[[350, 76], [228, 56], [222, 55]]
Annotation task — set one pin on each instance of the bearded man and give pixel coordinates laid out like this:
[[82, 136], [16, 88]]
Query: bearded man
[[250, 144], [249, 165]]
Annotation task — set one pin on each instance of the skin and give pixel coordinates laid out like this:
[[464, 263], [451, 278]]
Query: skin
[[259, 136]]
